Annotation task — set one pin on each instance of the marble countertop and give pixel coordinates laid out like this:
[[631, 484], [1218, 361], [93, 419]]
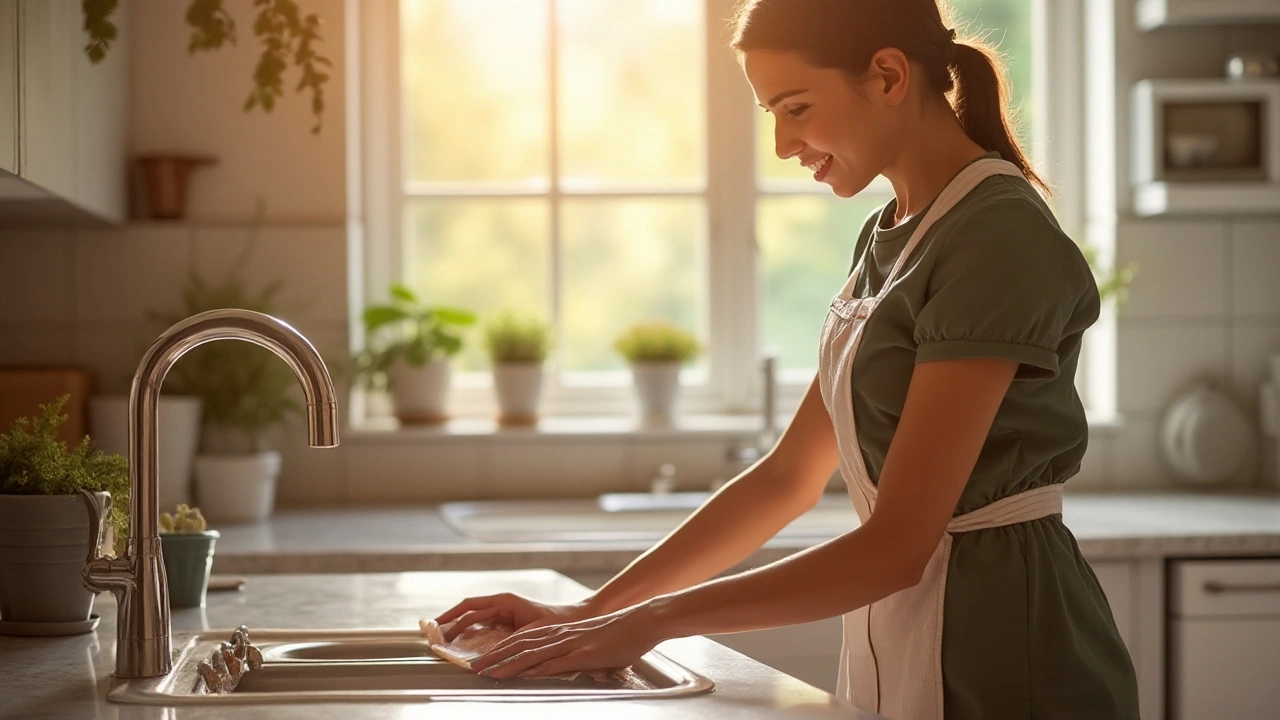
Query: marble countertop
[[416, 538], [67, 677]]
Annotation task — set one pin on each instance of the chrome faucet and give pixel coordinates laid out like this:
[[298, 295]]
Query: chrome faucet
[[143, 647]]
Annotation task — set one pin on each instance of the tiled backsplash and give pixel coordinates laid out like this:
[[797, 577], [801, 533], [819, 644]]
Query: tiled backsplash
[[1204, 304]]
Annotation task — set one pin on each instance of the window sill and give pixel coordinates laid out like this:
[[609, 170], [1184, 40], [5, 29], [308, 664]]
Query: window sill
[[687, 427]]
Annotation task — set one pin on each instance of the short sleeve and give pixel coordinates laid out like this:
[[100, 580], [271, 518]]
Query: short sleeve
[[1006, 284]]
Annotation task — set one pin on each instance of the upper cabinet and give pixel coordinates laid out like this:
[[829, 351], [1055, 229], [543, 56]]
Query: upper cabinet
[[9, 85], [63, 120], [1153, 14]]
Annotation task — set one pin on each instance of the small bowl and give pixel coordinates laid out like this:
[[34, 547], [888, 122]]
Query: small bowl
[[1247, 64], [1191, 150]]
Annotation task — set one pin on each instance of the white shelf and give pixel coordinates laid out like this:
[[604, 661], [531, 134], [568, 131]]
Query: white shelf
[[1206, 198], [1152, 14]]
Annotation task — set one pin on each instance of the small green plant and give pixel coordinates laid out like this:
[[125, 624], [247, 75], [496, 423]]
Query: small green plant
[[245, 389], [283, 31], [408, 329], [513, 338], [655, 341], [185, 519], [1113, 283], [33, 461]]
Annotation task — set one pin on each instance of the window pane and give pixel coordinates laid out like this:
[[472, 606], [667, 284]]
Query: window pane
[[483, 255], [1005, 24], [629, 260], [631, 90], [474, 75], [806, 251]]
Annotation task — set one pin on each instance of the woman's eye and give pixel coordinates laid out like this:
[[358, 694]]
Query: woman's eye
[[797, 111]]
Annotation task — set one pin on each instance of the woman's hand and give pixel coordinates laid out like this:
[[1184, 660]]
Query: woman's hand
[[508, 609], [609, 641]]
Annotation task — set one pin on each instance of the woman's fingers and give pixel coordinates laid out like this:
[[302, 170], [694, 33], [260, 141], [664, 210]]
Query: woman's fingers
[[466, 606], [513, 645], [467, 620]]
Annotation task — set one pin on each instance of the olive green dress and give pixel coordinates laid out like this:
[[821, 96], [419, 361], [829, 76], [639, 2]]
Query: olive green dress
[[1027, 631]]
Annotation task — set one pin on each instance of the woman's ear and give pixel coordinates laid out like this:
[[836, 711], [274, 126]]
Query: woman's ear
[[891, 75]]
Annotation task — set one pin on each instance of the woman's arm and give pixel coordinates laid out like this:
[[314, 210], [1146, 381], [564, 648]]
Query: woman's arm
[[739, 518], [949, 409], [735, 522]]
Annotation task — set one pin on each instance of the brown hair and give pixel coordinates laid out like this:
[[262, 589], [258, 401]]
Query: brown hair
[[845, 34]]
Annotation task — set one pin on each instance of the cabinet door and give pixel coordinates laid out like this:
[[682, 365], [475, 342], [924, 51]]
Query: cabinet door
[[9, 85], [50, 44]]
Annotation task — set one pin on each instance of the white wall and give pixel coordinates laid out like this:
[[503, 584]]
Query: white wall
[[191, 103], [1205, 303]]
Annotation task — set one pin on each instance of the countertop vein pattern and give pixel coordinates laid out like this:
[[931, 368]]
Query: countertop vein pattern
[[415, 538], [68, 677]]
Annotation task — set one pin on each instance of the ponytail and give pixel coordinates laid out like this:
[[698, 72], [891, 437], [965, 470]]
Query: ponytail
[[979, 98]]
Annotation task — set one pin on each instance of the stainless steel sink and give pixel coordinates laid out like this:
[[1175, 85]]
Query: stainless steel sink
[[618, 517], [376, 665]]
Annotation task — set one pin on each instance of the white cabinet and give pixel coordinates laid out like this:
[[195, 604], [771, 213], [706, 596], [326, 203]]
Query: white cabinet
[[1151, 14], [63, 120], [1224, 639], [9, 85]]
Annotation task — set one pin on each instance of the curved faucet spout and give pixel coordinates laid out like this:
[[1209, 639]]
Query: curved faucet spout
[[143, 648]]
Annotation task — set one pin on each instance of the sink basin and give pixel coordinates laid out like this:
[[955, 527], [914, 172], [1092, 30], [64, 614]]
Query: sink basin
[[618, 517], [376, 665]]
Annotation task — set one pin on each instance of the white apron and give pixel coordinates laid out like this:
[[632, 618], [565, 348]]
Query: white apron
[[891, 662]]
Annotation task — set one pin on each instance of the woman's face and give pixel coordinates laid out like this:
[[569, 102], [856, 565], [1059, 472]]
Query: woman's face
[[838, 128]]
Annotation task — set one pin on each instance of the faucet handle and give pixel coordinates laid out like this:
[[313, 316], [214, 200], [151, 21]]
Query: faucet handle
[[96, 515]]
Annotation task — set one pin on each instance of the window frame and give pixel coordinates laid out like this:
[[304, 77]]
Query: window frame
[[732, 381]]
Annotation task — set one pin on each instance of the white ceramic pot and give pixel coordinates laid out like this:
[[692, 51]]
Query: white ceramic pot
[[237, 488], [656, 385], [420, 395], [518, 387], [178, 436]]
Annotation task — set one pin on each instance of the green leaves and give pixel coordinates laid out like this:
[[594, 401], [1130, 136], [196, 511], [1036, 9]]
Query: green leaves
[[510, 337], [655, 341], [98, 26], [408, 329], [285, 36], [244, 387], [33, 461]]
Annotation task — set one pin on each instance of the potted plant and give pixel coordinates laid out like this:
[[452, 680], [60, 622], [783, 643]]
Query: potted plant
[[47, 525], [245, 392], [187, 547], [517, 346], [408, 351], [656, 350]]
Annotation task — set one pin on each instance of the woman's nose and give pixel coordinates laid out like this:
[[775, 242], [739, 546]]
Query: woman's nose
[[785, 144]]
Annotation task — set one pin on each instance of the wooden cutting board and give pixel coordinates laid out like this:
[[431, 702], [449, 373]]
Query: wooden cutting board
[[24, 389]]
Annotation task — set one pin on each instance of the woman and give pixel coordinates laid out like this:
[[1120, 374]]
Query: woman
[[944, 394]]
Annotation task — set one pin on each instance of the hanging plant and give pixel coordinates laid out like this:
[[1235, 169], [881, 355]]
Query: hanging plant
[[285, 34]]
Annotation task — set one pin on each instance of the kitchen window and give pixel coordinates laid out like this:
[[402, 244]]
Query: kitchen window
[[603, 161]]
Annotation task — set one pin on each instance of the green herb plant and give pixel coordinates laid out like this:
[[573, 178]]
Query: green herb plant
[[185, 519], [1113, 283], [245, 389], [657, 341], [33, 461], [284, 33], [407, 329], [513, 338]]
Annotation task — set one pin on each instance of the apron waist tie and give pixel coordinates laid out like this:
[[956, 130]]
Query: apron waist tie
[[1023, 507]]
